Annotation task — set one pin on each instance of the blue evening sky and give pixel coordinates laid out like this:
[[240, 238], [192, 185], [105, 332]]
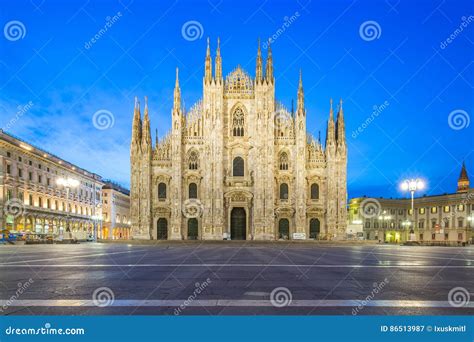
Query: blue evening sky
[[419, 85]]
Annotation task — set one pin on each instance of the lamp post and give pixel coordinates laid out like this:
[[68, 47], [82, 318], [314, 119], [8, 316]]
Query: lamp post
[[470, 219], [68, 183], [412, 185]]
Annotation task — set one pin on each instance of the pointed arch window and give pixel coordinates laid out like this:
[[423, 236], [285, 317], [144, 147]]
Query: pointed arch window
[[238, 122], [283, 191], [314, 191], [193, 192], [161, 191], [283, 161], [238, 167], [193, 160]]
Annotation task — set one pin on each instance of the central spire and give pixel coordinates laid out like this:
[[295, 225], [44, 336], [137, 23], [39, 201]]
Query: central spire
[[177, 94], [259, 70], [208, 64], [218, 61], [269, 70], [300, 104]]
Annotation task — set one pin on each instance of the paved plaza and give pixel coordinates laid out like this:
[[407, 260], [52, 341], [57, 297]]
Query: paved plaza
[[227, 278]]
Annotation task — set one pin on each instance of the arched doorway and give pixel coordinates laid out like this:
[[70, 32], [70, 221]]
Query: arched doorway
[[314, 228], [162, 229], [238, 223], [284, 229], [193, 229]]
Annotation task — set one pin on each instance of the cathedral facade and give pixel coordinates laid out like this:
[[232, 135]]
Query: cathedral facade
[[238, 165]]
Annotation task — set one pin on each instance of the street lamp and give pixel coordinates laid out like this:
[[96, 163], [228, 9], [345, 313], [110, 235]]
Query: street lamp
[[412, 185], [68, 183]]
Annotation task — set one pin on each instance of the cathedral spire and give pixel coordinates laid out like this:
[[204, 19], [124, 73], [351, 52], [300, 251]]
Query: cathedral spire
[[269, 67], [156, 137], [208, 64], [137, 124], [177, 94], [259, 69], [330, 138], [146, 135], [300, 103], [218, 62], [340, 134], [463, 181]]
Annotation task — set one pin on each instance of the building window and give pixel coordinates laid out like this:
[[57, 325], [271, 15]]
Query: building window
[[460, 223], [9, 154], [314, 191], [39, 179], [19, 159], [238, 167], [446, 223], [421, 224], [421, 210], [40, 202], [48, 182], [400, 212], [283, 161], [9, 168], [30, 176], [193, 160], [238, 123], [30, 199], [447, 208], [30, 162], [446, 236], [20, 173], [410, 212], [161, 191], [433, 224], [460, 236], [421, 237], [376, 224], [367, 224], [433, 236], [9, 195], [460, 207], [283, 191], [193, 192], [48, 203], [434, 210]]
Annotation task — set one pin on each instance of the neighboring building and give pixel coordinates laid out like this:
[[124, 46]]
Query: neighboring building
[[238, 165], [115, 212], [438, 219], [32, 201]]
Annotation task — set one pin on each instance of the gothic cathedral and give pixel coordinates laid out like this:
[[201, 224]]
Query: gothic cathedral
[[238, 165]]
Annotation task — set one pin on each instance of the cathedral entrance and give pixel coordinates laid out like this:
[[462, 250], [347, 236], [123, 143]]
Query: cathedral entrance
[[238, 223], [192, 229], [314, 228], [284, 229], [162, 229]]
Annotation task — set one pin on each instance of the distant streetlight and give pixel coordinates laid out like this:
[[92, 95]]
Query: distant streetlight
[[68, 183], [412, 185]]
